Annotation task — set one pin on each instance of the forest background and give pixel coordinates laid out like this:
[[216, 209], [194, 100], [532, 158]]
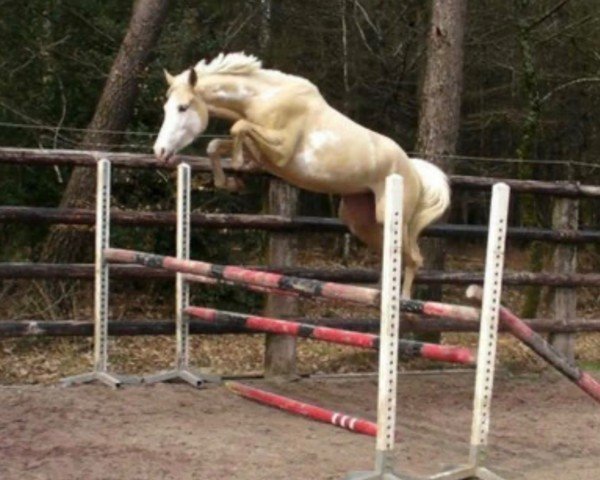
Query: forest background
[[529, 105]]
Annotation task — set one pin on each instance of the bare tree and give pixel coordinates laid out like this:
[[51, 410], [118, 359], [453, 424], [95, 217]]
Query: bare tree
[[439, 115], [113, 112], [264, 38]]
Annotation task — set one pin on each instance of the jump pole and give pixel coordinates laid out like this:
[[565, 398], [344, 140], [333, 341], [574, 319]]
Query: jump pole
[[101, 292], [254, 288], [354, 424], [519, 329], [406, 348], [277, 283]]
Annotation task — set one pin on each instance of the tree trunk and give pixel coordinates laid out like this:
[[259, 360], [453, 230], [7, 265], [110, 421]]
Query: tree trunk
[[264, 38], [526, 150], [113, 112], [66, 243], [439, 116]]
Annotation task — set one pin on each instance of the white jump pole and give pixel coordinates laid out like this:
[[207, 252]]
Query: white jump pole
[[488, 339], [101, 292], [389, 334], [182, 369]]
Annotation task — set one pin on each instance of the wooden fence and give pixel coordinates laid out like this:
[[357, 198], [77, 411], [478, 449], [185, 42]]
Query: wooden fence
[[282, 221]]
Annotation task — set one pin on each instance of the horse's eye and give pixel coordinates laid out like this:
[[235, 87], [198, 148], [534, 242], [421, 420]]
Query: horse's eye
[[183, 108]]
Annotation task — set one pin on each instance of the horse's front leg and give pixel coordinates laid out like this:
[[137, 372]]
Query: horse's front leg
[[216, 149], [275, 146]]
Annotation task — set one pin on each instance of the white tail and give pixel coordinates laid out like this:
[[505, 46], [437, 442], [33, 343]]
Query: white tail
[[435, 197]]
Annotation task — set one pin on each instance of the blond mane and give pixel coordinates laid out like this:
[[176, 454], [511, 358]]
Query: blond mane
[[233, 63]]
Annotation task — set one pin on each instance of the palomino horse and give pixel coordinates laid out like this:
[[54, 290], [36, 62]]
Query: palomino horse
[[289, 129]]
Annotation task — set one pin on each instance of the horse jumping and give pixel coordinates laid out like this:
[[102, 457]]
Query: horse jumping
[[289, 129]]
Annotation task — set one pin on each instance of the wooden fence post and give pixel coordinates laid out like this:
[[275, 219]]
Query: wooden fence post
[[565, 216], [280, 350]]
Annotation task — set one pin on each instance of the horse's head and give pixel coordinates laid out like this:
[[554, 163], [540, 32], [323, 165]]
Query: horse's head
[[186, 115]]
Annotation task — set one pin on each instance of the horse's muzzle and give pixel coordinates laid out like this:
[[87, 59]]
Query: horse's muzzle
[[162, 154]]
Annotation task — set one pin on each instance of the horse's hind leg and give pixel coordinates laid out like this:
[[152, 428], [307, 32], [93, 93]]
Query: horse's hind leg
[[358, 214], [411, 256]]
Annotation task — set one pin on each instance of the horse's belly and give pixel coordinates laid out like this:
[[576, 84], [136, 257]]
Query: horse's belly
[[328, 174]]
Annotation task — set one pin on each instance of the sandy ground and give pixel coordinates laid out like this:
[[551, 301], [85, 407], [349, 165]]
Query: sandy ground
[[543, 428]]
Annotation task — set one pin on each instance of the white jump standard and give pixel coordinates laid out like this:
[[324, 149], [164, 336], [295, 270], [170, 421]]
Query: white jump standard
[[182, 369], [388, 298], [389, 334], [488, 336], [488, 340], [100, 372]]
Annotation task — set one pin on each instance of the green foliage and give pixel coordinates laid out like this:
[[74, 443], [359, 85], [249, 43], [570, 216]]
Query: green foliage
[[522, 96]]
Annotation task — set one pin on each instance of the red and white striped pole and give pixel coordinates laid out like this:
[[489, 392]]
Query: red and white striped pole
[[541, 347], [406, 348], [278, 283], [254, 288], [354, 424]]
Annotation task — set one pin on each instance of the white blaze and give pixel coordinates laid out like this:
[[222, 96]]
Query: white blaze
[[178, 130]]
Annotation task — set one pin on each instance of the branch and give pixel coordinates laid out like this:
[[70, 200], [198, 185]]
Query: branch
[[367, 18], [233, 30], [547, 15], [568, 84]]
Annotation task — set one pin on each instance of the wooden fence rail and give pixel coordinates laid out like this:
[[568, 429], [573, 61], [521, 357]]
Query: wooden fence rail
[[565, 233], [82, 271], [275, 223], [25, 156], [410, 324]]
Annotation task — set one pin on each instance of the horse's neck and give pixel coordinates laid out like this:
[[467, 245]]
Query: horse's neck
[[229, 92]]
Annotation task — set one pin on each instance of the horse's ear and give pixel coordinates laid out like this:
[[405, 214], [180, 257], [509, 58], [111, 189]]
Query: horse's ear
[[193, 77], [170, 78]]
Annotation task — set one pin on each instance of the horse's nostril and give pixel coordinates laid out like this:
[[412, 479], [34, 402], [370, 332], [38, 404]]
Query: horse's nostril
[[162, 152]]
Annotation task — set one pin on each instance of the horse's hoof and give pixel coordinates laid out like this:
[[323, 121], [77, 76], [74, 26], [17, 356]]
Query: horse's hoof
[[235, 185]]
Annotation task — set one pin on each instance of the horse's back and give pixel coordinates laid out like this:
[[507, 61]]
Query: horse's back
[[333, 153]]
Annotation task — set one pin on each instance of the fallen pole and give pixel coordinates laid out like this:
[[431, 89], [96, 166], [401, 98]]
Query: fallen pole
[[354, 424], [304, 287], [406, 348], [541, 347]]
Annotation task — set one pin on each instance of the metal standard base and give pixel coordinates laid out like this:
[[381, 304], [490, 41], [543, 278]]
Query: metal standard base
[[106, 378], [383, 470], [466, 473], [376, 476], [194, 378], [459, 473]]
